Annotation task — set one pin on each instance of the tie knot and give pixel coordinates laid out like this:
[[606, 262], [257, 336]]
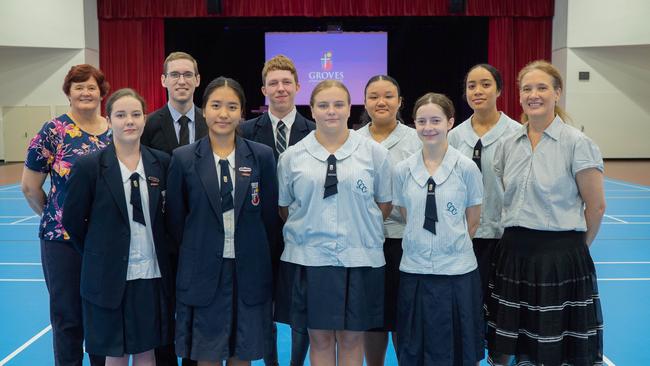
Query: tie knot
[[331, 159], [184, 120], [281, 126], [223, 163], [431, 185], [134, 177], [478, 145]]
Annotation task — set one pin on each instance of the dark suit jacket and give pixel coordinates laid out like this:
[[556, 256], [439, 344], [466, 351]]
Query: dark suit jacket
[[260, 129], [97, 220], [195, 221], [159, 131]]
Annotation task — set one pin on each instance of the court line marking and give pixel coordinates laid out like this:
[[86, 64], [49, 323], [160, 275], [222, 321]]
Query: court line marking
[[632, 215], [607, 197], [20, 224], [626, 279], [23, 220], [615, 223], [25, 345], [24, 263], [628, 185], [606, 263], [22, 280], [614, 218], [12, 198], [607, 361], [6, 188]]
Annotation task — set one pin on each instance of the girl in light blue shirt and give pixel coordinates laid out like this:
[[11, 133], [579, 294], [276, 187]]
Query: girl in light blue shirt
[[477, 138], [439, 192], [334, 195]]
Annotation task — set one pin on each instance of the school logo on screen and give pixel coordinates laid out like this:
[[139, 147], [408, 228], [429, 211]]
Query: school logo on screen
[[327, 66], [326, 61]]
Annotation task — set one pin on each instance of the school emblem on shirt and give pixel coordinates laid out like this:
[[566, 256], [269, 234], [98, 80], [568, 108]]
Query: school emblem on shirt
[[451, 208], [255, 194], [362, 186]]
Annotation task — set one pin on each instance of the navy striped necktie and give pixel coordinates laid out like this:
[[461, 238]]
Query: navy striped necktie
[[281, 138]]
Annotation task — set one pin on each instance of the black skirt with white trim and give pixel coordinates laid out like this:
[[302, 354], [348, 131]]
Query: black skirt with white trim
[[543, 305]]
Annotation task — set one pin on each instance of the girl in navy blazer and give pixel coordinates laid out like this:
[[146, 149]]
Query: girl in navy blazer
[[114, 215], [223, 214]]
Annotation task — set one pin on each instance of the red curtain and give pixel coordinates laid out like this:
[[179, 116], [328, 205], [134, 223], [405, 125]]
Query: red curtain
[[132, 33], [512, 43], [127, 9], [131, 55]]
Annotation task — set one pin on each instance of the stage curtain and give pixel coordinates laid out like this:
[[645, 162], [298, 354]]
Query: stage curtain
[[512, 43], [131, 55], [128, 9]]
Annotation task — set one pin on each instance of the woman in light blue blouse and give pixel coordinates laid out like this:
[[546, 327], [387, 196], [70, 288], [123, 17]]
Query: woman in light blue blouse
[[544, 306], [477, 138], [439, 192], [334, 196]]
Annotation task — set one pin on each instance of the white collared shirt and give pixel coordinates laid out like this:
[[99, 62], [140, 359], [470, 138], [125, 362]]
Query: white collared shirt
[[541, 191], [176, 115], [402, 142], [143, 263], [464, 138], [288, 121], [228, 216], [345, 229], [458, 186]]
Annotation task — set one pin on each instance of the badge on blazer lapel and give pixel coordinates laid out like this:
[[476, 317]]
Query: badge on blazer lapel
[[153, 181], [255, 194], [245, 171]]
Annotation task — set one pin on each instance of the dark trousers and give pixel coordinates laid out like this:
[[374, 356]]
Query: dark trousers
[[62, 271]]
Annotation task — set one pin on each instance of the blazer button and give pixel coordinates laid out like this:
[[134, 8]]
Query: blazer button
[[124, 258]]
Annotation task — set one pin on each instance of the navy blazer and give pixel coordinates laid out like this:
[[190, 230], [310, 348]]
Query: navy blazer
[[195, 221], [260, 129], [159, 132], [96, 218]]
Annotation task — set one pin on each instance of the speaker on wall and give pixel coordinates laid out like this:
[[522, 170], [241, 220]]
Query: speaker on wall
[[456, 6], [214, 6]]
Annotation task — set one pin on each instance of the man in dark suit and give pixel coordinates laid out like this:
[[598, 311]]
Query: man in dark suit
[[279, 128], [177, 123]]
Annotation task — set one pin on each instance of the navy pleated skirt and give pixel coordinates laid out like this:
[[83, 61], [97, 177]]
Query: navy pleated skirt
[[331, 298], [440, 320], [142, 322], [543, 305], [225, 328]]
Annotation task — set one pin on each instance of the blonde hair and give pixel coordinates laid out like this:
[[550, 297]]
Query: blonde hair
[[180, 56], [279, 62], [558, 84], [326, 84]]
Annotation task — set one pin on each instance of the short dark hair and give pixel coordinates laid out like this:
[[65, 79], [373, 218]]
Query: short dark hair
[[83, 72]]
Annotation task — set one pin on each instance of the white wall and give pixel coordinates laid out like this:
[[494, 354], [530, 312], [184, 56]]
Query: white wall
[[39, 41], [610, 40]]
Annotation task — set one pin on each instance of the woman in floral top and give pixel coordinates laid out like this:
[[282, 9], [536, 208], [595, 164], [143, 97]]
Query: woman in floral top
[[53, 152]]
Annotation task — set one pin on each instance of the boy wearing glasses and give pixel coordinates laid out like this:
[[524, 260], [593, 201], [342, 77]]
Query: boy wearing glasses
[[179, 122]]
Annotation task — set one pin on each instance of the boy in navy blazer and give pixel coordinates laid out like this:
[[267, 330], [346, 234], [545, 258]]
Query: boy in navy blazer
[[282, 126]]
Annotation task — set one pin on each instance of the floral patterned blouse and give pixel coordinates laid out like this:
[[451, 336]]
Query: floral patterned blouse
[[53, 151]]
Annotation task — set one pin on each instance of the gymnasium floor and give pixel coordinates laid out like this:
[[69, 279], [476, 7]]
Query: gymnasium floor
[[621, 253]]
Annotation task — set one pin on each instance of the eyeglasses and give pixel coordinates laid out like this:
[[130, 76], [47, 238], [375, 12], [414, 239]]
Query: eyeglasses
[[175, 75]]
